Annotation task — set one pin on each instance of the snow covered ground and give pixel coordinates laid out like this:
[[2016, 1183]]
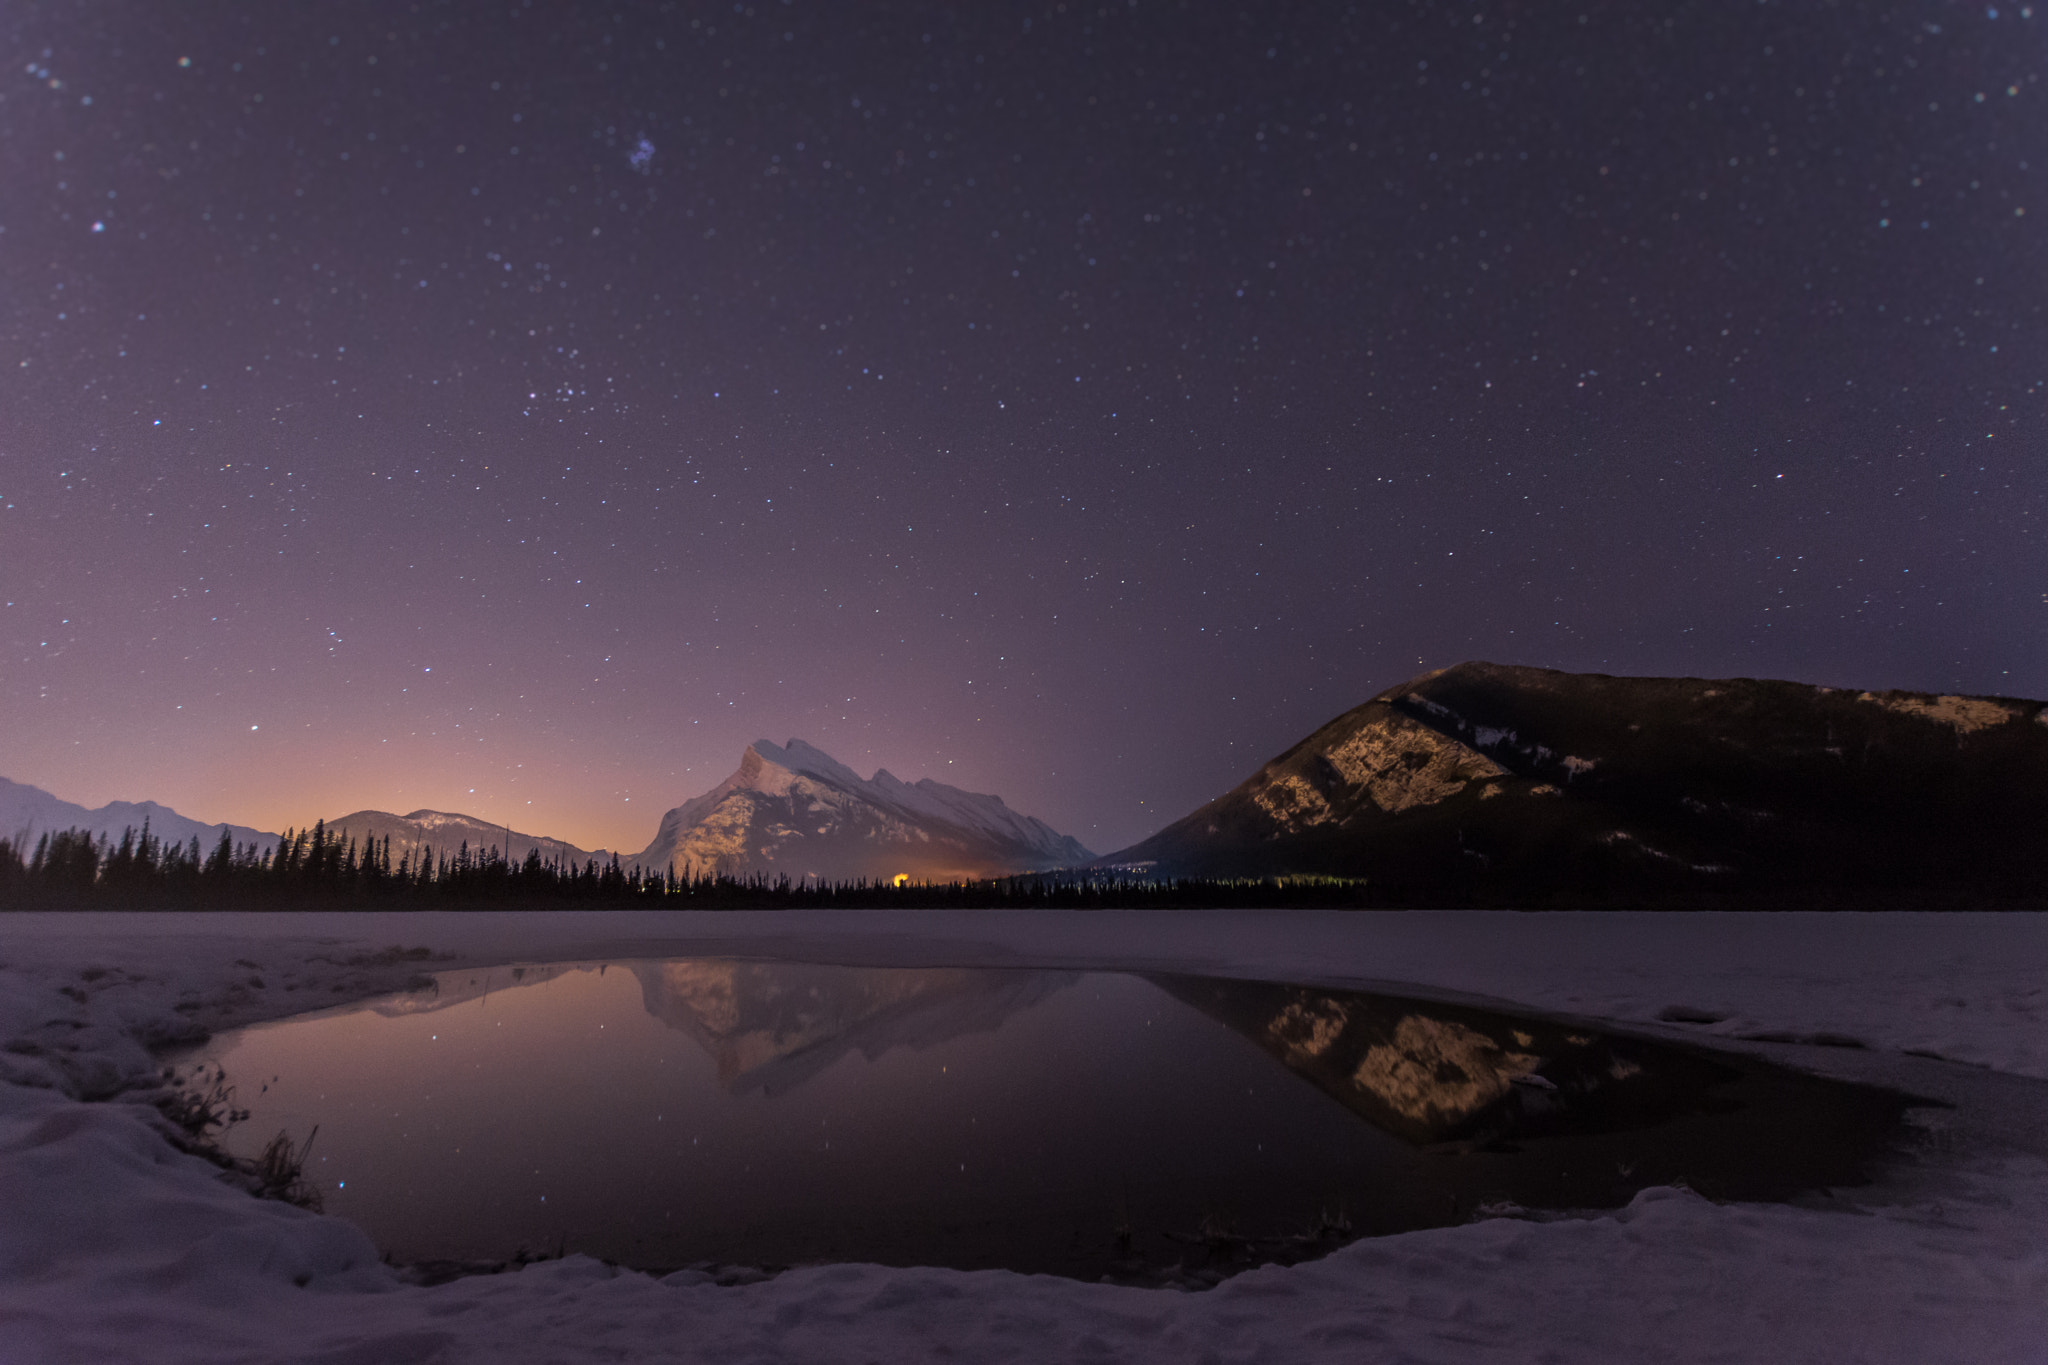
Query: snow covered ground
[[114, 1247]]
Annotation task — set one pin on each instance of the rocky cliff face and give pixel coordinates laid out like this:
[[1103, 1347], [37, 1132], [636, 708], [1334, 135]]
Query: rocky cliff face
[[794, 811], [1492, 784]]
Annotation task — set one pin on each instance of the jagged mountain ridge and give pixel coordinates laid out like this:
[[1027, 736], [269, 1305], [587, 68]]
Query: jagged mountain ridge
[[27, 813], [792, 810], [1493, 784]]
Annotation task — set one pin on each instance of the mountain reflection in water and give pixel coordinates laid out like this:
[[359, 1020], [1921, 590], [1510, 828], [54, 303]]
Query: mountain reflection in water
[[1147, 1129], [772, 1025], [1432, 1072]]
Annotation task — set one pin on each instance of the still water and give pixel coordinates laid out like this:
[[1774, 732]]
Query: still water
[[735, 1113]]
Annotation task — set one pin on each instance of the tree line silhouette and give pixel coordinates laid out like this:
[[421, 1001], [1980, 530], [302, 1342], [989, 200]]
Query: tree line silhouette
[[315, 870]]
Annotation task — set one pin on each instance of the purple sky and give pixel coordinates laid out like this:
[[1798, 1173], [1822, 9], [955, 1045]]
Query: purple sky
[[517, 408]]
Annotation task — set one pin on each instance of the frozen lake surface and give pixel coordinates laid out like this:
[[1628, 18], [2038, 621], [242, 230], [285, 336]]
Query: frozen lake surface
[[1156, 1128], [114, 1246]]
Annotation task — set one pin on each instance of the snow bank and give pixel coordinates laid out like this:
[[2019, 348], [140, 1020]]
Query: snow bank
[[113, 1246]]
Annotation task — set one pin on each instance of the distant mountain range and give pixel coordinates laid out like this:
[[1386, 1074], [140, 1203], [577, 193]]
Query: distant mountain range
[[448, 833], [792, 810], [787, 811], [27, 813], [1487, 784]]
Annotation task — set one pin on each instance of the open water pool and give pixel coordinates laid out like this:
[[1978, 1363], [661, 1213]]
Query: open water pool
[[726, 1114]]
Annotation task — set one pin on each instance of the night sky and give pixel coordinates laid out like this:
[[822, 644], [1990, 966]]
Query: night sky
[[517, 408]]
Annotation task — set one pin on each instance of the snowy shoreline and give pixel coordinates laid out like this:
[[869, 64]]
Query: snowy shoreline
[[114, 1246]]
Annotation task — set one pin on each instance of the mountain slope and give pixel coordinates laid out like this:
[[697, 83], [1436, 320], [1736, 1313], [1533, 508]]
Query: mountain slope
[[1490, 784], [792, 810], [27, 813]]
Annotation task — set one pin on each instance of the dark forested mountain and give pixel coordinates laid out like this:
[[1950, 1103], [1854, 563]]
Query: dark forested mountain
[[1488, 784], [791, 810]]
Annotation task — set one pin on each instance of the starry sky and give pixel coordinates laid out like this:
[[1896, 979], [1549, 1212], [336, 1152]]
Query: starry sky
[[516, 408]]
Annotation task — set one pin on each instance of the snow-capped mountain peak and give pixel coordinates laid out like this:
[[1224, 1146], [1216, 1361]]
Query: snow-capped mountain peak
[[794, 810], [799, 757]]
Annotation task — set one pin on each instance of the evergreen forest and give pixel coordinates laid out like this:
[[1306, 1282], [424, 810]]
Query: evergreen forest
[[310, 870]]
